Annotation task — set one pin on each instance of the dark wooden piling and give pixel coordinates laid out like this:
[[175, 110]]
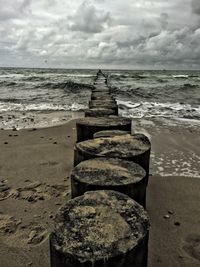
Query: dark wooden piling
[[99, 112], [100, 229], [106, 105], [134, 148], [110, 133], [100, 102], [101, 90], [101, 96], [87, 127], [109, 174]]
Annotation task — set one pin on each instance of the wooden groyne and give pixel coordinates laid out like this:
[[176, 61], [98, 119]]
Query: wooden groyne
[[105, 224]]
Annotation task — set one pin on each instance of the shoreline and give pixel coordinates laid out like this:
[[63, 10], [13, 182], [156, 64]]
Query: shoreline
[[28, 120], [186, 158], [45, 119], [35, 168]]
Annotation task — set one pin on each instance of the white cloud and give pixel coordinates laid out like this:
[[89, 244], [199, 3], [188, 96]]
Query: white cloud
[[89, 19], [114, 33]]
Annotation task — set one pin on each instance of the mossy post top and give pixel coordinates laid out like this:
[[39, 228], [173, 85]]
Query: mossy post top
[[108, 172], [84, 227], [108, 121], [99, 112], [124, 146], [110, 133]]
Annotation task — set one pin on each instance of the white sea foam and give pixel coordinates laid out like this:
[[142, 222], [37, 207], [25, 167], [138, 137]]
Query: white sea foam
[[41, 107], [80, 75], [180, 76], [185, 113]]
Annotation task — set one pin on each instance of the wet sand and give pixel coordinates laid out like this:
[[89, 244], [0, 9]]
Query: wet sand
[[35, 167]]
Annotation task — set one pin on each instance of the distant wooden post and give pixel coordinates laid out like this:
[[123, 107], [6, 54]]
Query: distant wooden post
[[99, 112]]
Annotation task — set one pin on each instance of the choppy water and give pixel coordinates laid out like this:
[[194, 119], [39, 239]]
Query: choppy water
[[140, 94], [168, 94]]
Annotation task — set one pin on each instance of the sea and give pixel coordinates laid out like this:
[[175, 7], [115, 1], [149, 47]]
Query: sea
[[47, 97]]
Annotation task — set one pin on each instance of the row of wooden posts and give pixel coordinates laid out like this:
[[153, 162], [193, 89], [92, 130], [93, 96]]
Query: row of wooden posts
[[105, 224]]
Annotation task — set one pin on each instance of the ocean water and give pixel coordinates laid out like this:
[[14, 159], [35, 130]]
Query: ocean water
[[50, 96]]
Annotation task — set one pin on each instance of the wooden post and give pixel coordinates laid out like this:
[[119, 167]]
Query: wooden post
[[101, 96], [106, 105], [101, 90], [100, 102], [87, 127], [110, 133], [109, 174], [134, 148], [99, 112], [100, 229]]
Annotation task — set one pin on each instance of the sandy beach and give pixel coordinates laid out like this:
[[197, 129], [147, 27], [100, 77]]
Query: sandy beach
[[35, 167]]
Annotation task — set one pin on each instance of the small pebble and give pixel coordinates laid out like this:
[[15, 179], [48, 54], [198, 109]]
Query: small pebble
[[170, 212], [55, 143], [177, 223], [166, 216], [5, 143], [31, 199]]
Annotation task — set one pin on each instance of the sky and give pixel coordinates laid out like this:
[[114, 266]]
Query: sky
[[122, 34]]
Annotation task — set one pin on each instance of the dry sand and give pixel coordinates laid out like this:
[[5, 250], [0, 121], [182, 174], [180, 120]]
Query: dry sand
[[34, 181]]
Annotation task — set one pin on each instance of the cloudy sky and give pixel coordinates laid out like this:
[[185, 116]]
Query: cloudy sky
[[136, 34]]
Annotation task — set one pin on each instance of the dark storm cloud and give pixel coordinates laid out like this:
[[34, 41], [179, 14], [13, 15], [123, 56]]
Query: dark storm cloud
[[164, 20], [196, 7]]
